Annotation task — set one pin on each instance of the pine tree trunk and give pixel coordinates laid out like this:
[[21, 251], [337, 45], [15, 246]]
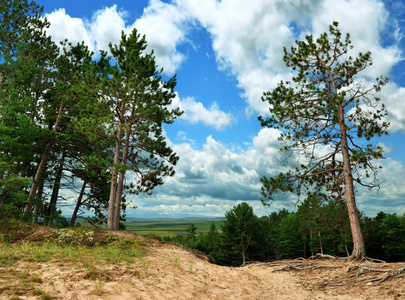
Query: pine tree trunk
[[310, 238], [39, 202], [320, 242], [38, 177], [42, 165], [78, 204], [359, 250], [55, 191], [114, 176], [120, 185]]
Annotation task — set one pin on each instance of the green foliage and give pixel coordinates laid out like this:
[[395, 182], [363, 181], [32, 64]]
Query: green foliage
[[286, 238], [326, 117], [323, 108], [191, 234], [26, 54], [12, 195], [385, 236], [60, 105], [318, 226], [240, 234]]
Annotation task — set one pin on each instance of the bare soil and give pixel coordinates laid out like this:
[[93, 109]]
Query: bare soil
[[167, 271]]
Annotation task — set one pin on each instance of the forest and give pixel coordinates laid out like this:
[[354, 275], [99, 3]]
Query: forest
[[69, 119], [317, 226]]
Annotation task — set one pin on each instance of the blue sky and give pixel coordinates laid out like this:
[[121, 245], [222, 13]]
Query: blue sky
[[226, 54]]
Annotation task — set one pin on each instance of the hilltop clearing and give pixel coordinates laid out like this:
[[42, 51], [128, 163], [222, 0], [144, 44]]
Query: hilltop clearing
[[85, 264]]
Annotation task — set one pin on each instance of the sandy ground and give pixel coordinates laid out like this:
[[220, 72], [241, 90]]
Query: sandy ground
[[170, 272]]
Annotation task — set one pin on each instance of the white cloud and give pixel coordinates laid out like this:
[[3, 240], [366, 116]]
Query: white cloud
[[393, 98], [248, 37], [391, 197], [212, 180], [165, 28], [106, 26], [65, 27], [222, 173], [163, 24], [195, 112], [366, 27]]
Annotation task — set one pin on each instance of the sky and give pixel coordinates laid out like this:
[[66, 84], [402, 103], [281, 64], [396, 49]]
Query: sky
[[226, 54]]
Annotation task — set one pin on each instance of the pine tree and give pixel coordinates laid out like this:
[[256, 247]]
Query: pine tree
[[326, 108]]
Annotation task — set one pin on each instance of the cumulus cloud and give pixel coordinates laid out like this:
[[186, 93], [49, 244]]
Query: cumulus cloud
[[391, 197], [248, 38], [393, 98], [65, 27], [222, 173], [195, 112], [212, 180], [165, 27], [106, 26]]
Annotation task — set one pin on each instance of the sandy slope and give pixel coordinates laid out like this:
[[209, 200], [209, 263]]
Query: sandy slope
[[170, 272]]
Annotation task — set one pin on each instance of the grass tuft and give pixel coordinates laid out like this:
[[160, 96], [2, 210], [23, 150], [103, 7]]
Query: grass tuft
[[87, 249]]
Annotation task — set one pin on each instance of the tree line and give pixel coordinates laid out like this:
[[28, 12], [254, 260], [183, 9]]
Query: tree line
[[245, 237], [78, 120]]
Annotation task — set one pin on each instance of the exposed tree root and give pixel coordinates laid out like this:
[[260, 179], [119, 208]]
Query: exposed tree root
[[349, 258], [324, 256], [362, 269], [373, 274], [303, 267], [396, 273], [365, 258], [378, 280]]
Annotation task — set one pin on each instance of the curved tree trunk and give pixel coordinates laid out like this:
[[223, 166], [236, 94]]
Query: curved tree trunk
[[55, 191], [78, 204], [42, 165], [359, 250]]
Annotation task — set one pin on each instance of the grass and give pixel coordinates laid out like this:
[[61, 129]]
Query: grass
[[167, 227], [83, 249], [170, 227]]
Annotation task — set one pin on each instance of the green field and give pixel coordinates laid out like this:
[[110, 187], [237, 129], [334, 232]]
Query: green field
[[170, 227]]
